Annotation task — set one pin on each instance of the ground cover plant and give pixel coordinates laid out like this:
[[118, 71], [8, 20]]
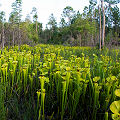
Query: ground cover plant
[[53, 82]]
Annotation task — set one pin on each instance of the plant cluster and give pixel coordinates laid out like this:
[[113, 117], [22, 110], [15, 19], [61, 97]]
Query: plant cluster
[[56, 82]]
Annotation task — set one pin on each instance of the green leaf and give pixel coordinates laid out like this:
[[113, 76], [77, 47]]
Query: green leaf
[[117, 92], [115, 107], [115, 117]]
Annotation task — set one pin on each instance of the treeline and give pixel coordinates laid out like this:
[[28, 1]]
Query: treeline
[[94, 26]]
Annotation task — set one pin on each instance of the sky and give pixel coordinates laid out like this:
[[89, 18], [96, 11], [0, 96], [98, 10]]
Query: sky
[[44, 8]]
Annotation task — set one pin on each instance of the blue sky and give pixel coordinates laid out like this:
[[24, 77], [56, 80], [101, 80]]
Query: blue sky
[[44, 7]]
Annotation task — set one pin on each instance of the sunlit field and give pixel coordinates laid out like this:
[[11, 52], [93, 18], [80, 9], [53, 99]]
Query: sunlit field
[[48, 82]]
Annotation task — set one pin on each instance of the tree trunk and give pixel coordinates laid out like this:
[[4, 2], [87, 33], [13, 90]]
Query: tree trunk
[[13, 40], [0, 37], [36, 25], [92, 35], [99, 28], [3, 36], [19, 35], [103, 25], [92, 40], [79, 38]]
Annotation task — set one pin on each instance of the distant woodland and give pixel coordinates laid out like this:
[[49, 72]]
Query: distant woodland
[[98, 25]]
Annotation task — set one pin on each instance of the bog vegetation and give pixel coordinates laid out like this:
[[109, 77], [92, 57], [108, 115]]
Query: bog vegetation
[[45, 80], [56, 82]]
